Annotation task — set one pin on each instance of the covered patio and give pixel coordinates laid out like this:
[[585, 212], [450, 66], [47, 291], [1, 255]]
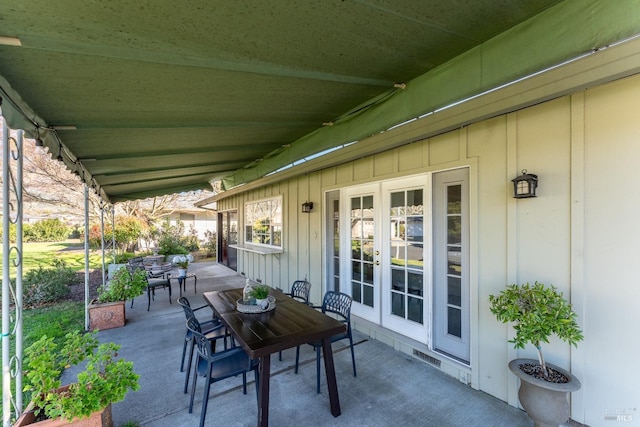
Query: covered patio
[[391, 388]]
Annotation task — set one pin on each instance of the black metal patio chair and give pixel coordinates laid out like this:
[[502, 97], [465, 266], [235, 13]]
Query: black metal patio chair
[[217, 366], [300, 290], [339, 305], [212, 329]]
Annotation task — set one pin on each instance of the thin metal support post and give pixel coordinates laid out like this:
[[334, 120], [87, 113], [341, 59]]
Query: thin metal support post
[[102, 239], [86, 258], [11, 325], [113, 233]]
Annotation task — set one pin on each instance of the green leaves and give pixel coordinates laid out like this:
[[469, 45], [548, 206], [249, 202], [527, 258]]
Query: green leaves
[[106, 379], [537, 312], [124, 285]]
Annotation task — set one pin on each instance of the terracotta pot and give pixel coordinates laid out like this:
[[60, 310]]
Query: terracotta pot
[[97, 419], [546, 403], [106, 315]]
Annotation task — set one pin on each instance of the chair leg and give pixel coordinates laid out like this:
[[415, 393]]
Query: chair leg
[[297, 358], [353, 357], [280, 356], [193, 391], [148, 299], [186, 379], [318, 370], [184, 353], [205, 400], [244, 383]]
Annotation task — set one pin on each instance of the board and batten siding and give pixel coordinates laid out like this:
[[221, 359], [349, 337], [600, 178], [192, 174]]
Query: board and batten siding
[[580, 234]]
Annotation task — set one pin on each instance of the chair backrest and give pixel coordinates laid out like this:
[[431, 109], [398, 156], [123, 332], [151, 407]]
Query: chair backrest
[[204, 345], [300, 290], [158, 270], [338, 303], [188, 312]]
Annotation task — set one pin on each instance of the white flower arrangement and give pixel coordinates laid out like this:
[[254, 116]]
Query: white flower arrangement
[[183, 261]]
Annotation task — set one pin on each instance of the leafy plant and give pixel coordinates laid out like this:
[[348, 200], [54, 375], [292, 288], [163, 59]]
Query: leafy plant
[[47, 230], [260, 291], [171, 239], [538, 312], [126, 284], [45, 285], [104, 380], [211, 243]]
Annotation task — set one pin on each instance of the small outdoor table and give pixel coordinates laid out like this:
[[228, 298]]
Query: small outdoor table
[[290, 324], [182, 281]]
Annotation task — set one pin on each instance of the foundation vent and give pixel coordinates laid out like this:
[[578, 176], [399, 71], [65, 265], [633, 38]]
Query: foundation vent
[[423, 356]]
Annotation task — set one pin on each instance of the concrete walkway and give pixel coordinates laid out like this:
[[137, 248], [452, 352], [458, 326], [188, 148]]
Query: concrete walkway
[[392, 389]]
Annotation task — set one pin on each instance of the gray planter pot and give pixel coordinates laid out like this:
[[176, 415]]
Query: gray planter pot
[[546, 403]]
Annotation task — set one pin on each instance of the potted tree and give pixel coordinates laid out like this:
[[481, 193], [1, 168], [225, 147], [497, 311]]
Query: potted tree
[[538, 312], [87, 402], [107, 311]]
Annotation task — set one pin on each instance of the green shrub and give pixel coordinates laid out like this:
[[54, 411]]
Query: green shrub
[[211, 243], [124, 257], [47, 230], [45, 285], [171, 239]]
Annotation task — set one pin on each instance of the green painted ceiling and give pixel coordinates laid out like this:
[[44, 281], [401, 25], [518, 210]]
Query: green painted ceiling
[[166, 96]]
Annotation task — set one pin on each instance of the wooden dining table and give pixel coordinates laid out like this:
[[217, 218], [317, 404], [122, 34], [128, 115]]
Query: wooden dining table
[[290, 324]]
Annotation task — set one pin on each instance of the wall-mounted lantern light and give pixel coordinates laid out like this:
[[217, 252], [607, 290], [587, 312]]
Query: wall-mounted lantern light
[[525, 185], [307, 206]]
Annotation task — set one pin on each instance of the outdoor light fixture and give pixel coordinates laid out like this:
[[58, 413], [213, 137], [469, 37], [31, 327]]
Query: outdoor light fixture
[[525, 185], [307, 206]]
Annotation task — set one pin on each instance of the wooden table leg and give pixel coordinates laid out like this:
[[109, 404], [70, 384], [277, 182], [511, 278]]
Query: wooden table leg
[[263, 391], [330, 373]]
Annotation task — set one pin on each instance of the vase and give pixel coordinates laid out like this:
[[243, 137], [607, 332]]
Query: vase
[[182, 272], [545, 402]]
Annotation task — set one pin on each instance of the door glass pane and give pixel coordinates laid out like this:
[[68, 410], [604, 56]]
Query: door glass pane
[[415, 205], [454, 291], [397, 280], [367, 295], [367, 273], [397, 304], [454, 260], [356, 273], [398, 252], [356, 249], [415, 285], [454, 235], [367, 206], [415, 256], [406, 254], [414, 229], [362, 249], [355, 291], [415, 309], [367, 250], [454, 198], [454, 321], [397, 204]]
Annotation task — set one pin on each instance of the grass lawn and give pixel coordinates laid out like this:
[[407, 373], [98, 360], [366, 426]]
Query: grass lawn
[[70, 251]]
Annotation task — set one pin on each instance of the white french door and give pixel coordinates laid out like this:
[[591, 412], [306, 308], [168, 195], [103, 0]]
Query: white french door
[[384, 233], [404, 257], [451, 298], [360, 250]]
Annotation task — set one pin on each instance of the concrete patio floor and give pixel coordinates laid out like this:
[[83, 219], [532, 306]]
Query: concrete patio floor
[[391, 389]]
